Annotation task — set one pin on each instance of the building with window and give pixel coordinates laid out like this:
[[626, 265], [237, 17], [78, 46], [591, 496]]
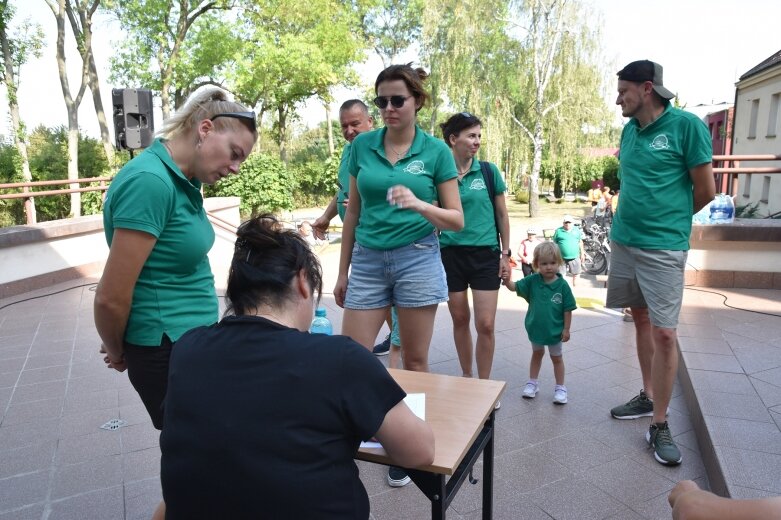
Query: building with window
[[757, 130]]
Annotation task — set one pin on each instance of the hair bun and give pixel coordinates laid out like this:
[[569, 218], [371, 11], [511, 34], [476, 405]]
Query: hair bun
[[422, 74]]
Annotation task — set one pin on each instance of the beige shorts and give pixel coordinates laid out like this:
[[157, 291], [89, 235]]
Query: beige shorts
[[647, 278]]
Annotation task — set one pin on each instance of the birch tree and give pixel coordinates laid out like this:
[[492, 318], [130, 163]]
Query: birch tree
[[72, 102], [17, 48]]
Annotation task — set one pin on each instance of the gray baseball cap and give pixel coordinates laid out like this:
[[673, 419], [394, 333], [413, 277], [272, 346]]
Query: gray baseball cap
[[645, 70]]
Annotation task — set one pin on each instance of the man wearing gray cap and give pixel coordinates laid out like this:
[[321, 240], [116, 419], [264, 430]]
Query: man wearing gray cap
[[666, 176]]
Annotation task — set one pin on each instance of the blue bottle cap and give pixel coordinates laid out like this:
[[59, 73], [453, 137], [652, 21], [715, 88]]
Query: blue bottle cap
[[320, 311]]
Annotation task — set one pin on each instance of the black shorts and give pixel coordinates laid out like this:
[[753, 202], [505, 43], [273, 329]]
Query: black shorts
[[147, 369], [471, 266]]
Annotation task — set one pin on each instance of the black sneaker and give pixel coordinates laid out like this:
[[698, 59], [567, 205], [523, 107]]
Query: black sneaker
[[382, 349], [639, 406], [397, 477]]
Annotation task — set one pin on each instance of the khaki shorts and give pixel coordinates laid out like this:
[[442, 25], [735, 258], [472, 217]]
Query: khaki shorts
[[651, 278]]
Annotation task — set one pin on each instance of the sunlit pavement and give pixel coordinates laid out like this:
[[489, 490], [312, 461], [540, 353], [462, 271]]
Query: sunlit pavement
[[559, 462]]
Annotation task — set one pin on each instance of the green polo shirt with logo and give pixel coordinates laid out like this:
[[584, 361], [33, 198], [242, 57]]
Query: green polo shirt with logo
[[343, 179], [656, 189], [568, 242], [479, 223], [547, 304], [427, 164], [175, 289]]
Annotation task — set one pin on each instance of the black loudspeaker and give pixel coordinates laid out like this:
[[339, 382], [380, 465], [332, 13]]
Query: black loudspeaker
[[133, 121]]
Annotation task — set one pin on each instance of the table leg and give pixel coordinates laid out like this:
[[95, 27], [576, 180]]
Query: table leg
[[488, 471]]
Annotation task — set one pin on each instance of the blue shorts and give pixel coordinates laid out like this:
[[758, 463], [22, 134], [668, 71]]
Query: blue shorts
[[408, 276]]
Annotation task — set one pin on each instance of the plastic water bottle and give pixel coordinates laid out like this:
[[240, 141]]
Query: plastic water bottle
[[722, 210], [321, 324]]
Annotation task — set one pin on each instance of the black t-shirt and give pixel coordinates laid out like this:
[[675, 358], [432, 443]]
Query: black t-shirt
[[263, 421]]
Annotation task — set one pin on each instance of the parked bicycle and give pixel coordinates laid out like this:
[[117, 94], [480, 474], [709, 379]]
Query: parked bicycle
[[596, 247]]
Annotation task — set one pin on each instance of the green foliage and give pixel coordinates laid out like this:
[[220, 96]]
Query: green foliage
[[48, 156], [576, 173], [522, 196], [750, 210], [316, 182], [264, 184], [11, 211], [392, 26]]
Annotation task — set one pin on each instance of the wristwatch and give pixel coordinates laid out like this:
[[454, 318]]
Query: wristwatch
[[507, 252]]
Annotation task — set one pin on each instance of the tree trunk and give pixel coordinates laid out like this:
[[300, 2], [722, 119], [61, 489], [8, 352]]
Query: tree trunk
[[97, 100], [282, 134], [16, 124], [329, 129], [71, 103], [534, 179]]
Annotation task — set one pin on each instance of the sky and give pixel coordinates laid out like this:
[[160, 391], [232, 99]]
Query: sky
[[703, 45]]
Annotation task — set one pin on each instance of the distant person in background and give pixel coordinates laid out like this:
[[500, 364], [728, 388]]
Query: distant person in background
[[614, 202], [478, 256], [594, 194], [666, 176], [570, 241], [526, 251], [157, 283], [689, 502]]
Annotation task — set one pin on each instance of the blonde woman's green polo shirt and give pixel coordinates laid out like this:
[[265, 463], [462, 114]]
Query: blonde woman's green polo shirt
[[479, 223], [427, 164], [175, 289]]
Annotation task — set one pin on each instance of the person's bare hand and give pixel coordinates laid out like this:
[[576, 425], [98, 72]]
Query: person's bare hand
[[320, 228], [340, 291], [402, 197], [119, 364]]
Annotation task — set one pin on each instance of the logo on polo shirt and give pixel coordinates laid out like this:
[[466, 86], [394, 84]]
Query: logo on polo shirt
[[415, 168], [660, 142], [557, 298], [477, 184]]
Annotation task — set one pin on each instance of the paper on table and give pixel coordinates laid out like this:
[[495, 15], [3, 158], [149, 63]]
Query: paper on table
[[416, 403]]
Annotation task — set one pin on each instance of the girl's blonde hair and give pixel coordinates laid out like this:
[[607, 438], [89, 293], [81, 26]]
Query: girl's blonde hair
[[546, 251], [204, 105]]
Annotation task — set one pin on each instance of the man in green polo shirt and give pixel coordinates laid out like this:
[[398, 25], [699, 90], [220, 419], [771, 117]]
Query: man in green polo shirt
[[355, 119], [666, 176]]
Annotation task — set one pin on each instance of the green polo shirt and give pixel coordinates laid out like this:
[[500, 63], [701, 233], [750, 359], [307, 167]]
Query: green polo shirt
[[343, 179], [547, 304], [568, 242], [479, 223], [175, 289], [656, 189], [427, 164]]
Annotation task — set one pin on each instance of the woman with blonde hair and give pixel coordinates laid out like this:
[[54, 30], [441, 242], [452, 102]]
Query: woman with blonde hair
[[157, 283]]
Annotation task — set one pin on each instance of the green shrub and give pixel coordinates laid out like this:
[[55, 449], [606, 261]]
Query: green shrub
[[264, 184], [316, 181], [522, 196]]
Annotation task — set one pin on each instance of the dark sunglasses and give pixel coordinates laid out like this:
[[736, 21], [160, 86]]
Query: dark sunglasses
[[397, 101], [246, 117]]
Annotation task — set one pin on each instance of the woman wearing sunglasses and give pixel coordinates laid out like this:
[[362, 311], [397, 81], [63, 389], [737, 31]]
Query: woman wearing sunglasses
[[474, 258], [157, 283], [389, 246]]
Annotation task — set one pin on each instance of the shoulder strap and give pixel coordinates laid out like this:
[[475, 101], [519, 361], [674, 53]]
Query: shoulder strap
[[490, 186]]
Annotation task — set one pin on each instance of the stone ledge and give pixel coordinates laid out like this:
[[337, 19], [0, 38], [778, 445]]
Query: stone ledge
[[733, 279], [21, 235], [742, 230]]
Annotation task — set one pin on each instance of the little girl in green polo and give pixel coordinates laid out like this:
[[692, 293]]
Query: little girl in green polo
[[549, 315]]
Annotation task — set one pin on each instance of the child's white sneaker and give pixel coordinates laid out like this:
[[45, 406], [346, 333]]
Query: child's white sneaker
[[530, 390], [560, 394]]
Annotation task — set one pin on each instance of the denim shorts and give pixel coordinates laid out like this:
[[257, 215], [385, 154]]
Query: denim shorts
[[647, 278], [408, 276]]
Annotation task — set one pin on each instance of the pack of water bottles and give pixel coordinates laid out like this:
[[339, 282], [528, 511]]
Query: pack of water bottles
[[720, 210]]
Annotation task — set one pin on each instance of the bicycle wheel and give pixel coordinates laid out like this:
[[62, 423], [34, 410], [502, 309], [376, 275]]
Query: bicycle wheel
[[594, 262]]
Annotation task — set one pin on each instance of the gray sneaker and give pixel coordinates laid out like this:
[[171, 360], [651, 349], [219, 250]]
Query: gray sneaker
[[638, 406], [661, 440]]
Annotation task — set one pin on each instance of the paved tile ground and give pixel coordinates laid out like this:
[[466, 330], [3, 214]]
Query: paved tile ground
[[558, 462]]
